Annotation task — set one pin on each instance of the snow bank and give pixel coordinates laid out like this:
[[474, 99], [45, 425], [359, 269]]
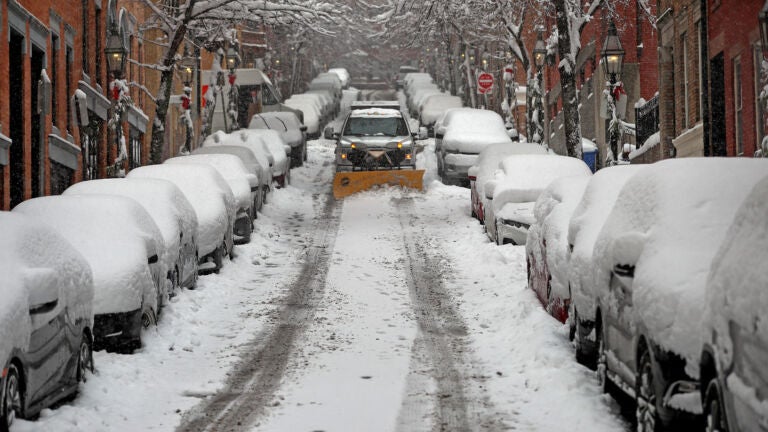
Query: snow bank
[[434, 107], [32, 254], [115, 235], [680, 209], [165, 203], [208, 193], [230, 168], [585, 224]]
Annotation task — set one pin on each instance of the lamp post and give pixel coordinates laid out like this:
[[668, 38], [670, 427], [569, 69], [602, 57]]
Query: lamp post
[[232, 59], [539, 56], [187, 67], [613, 60], [116, 53], [763, 20]]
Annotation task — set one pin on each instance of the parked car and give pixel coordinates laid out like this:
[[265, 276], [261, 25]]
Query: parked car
[[343, 75], [586, 222], [733, 377], [214, 206], [433, 108], [122, 244], [46, 318], [442, 123], [546, 248], [401, 73], [244, 187], [485, 168], [252, 164], [172, 213], [513, 194], [654, 253], [313, 118], [468, 134], [277, 150], [289, 127], [250, 140]]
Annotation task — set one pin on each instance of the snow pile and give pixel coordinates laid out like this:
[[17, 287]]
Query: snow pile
[[736, 291], [434, 107], [588, 145], [585, 225], [548, 236], [170, 210], [208, 193], [115, 235], [472, 131], [31, 256], [673, 215], [230, 168]]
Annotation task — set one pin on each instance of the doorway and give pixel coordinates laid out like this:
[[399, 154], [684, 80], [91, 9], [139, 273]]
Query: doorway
[[38, 128], [717, 113], [16, 128]]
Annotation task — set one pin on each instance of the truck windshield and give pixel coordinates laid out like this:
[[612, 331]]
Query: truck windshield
[[388, 126]]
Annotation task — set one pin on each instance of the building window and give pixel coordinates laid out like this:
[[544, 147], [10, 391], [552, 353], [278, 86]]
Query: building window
[[686, 107], [54, 75], [738, 106], [84, 36], [135, 137], [700, 44], [70, 59], [97, 46], [759, 110]]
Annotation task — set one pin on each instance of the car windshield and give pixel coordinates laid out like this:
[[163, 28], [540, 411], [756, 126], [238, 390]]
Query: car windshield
[[387, 126]]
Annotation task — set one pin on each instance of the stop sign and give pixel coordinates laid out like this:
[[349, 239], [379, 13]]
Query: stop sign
[[484, 83]]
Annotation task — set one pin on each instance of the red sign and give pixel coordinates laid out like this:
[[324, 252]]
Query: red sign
[[484, 83]]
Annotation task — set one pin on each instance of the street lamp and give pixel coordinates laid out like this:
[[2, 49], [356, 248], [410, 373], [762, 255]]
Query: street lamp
[[233, 58], [116, 54], [187, 66], [539, 57], [613, 59]]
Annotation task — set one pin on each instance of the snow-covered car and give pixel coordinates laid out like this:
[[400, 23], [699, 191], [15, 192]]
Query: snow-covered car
[[419, 92], [289, 127], [172, 213], [514, 191], [252, 164], [469, 132], [214, 205], [343, 75], [322, 105], [46, 318], [244, 187], [488, 162], [733, 376], [277, 150], [122, 244], [586, 222], [546, 248], [442, 123], [433, 108], [312, 116], [653, 256], [401, 73], [251, 140]]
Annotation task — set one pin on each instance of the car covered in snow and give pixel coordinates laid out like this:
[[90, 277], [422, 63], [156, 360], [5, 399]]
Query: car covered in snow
[[46, 318], [251, 162], [343, 75], [289, 127], [469, 132], [585, 225], [172, 213], [546, 248], [486, 166], [121, 243], [312, 115], [733, 374], [214, 204], [513, 193], [433, 108], [276, 150], [654, 253], [244, 187], [401, 73]]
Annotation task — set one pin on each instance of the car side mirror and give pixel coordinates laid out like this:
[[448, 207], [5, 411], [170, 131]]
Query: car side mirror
[[287, 149], [472, 172], [43, 290], [153, 259], [303, 128], [490, 188], [626, 250], [328, 133]]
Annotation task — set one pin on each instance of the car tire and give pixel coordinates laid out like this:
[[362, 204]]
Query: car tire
[[84, 359], [582, 357], [714, 410], [218, 257], [174, 283], [12, 405], [148, 319], [601, 362], [645, 396]]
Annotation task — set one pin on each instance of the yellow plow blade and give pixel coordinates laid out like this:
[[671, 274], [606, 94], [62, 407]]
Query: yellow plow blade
[[347, 183]]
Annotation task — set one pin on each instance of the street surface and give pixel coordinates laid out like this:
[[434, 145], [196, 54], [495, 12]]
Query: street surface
[[387, 311]]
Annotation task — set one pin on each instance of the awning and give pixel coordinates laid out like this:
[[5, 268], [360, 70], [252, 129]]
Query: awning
[[5, 144], [97, 102], [63, 151], [136, 118]]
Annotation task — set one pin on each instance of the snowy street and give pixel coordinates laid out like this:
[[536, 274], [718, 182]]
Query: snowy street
[[387, 311]]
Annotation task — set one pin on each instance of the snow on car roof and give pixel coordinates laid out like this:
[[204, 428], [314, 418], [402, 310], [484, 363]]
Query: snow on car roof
[[525, 176], [673, 216], [249, 159], [472, 130], [231, 169], [490, 159], [29, 245], [208, 193], [114, 234], [165, 202], [376, 112], [435, 105]]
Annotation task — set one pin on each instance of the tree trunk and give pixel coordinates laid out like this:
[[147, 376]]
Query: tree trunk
[[571, 120]]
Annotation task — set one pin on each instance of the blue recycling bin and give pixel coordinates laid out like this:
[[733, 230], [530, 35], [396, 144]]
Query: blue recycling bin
[[590, 158]]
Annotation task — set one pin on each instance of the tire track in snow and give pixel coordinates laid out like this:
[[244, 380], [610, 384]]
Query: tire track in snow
[[439, 348], [254, 380]]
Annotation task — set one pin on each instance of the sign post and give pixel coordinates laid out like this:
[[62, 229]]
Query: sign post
[[484, 83]]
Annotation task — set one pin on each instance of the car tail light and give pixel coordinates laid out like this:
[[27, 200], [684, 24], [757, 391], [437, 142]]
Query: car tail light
[[472, 178], [4, 373]]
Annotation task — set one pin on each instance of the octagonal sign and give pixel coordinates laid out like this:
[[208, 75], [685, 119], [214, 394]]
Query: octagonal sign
[[484, 83]]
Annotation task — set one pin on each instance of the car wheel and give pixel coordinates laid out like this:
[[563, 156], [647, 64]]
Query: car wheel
[[148, 319], [195, 274], [12, 404], [602, 362], [84, 359], [264, 192], [647, 419], [714, 411], [173, 281], [218, 257]]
